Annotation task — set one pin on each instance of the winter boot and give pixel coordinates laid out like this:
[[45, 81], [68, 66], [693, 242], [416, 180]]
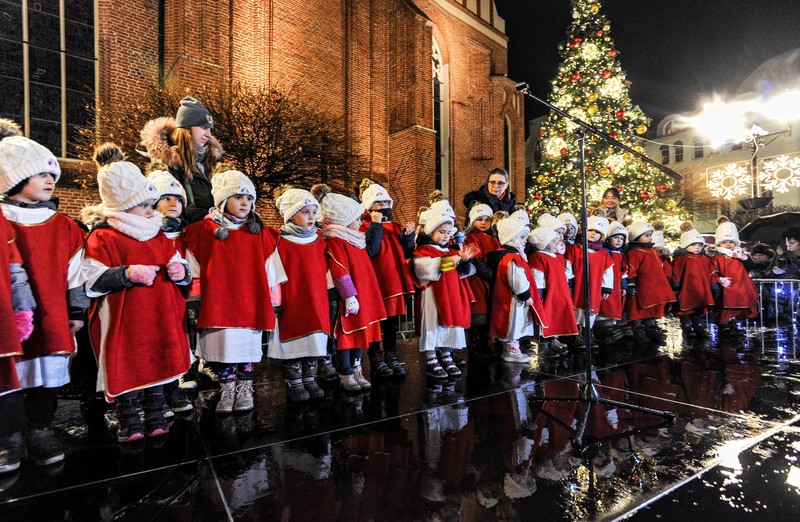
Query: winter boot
[[653, 332], [639, 335], [310, 378], [359, 377], [227, 396], [349, 383], [10, 452], [512, 354], [699, 325], [43, 447], [326, 370], [605, 333], [378, 365], [129, 427], [155, 424], [244, 395], [686, 326], [397, 366], [293, 375]]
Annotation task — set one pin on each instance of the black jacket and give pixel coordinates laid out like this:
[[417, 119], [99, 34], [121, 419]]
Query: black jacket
[[482, 195]]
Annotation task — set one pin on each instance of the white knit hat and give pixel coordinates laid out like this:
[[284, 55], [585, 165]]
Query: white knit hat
[[726, 232], [690, 237], [293, 200], [548, 221], [479, 211], [658, 238], [521, 215], [22, 158], [509, 230], [122, 186], [443, 207], [432, 219], [598, 224], [540, 237], [341, 210], [637, 228], [230, 183], [615, 228], [374, 193], [568, 219], [166, 184]]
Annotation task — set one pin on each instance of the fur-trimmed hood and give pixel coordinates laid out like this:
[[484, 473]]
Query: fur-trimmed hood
[[155, 138]]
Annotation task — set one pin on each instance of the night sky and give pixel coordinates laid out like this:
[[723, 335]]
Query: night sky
[[675, 52]]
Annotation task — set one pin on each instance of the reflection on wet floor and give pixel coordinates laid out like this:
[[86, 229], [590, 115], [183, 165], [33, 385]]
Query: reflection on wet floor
[[484, 447]]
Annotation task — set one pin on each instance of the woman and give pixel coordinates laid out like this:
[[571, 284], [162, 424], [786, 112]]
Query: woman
[[609, 206], [494, 193], [186, 146]]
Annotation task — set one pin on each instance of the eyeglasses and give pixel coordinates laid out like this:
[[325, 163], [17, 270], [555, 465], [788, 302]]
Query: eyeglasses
[[498, 183]]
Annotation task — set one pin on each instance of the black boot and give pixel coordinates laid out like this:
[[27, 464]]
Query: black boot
[[293, 375], [652, 331], [699, 325], [639, 335], [687, 326], [155, 424], [129, 427], [310, 378], [397, 366], [378, 365], [605, 333]]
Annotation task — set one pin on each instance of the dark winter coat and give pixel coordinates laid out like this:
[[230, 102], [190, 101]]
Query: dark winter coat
[[482, 195]]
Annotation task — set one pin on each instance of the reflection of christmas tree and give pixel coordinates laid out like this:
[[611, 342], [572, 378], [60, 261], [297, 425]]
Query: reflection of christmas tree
[[591, 85]]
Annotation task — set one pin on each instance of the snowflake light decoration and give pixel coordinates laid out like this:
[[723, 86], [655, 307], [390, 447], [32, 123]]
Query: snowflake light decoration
[[780, 173], [729, 181]]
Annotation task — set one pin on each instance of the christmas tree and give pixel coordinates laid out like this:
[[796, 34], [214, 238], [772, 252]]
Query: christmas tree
[[591, 86]]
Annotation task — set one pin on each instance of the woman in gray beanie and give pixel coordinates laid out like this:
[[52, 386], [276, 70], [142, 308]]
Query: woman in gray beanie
[[185, 145]]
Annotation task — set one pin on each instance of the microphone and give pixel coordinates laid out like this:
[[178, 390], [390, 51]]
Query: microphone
[[522, 86]]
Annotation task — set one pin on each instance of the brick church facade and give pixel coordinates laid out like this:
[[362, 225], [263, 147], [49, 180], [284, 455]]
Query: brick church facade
[[422, 84]]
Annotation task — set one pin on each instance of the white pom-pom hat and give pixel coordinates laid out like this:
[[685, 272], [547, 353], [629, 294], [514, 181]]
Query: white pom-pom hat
[[373, 193], [166, 184], [431, 219], [293, 200], [479, 211], [230, 183], [22, 158], [540, 237], [122, 186]]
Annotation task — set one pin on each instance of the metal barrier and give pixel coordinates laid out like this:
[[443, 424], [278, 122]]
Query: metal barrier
[[405, 330], [778, 301]]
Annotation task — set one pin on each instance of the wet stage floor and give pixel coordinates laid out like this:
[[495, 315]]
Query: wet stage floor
[[481, 449]]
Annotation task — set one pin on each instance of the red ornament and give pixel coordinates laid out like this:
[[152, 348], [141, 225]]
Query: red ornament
[[644, 195], [589, 168], [620, 114], [599, 33], [577, 41], [537, 196], [621, 189], [612, 52], [552, 172], [542, 133], [558, 199], [575, 77], [662, 188], [605, 74], [564, 152], [612, 136]]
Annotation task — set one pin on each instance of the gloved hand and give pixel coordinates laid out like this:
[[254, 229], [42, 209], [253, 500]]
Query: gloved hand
[[176, 271], [631, 288], [351, 306], [192, 313], [24, 324], [725, 282], [143, 274], [529, 302]]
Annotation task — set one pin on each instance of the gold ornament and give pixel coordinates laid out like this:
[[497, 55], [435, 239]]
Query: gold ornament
[[641, 129], [592, 97], [627, 156], [604, 172], [592, 110], [594, 8]]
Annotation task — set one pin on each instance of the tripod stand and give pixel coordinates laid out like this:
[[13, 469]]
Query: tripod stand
[[588, 394]]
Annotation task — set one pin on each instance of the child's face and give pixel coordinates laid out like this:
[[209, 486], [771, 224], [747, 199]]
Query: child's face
[[239, 205], [694, 248], [441, 236], [200, 136], [594, 235], [646, 237], [792, 245], [380, 204], [170, 206], [730, 245], [144, 209], [552, 246], [39, 188], [561, 232], [305, 217], [616, 241], [759, 257], [570, 232], [483, 223]]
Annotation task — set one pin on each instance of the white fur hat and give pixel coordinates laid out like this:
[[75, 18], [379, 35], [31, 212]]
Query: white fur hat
[[443, 207], [690, 237], [432, 219], [373, 193], [568, 220], [615, 228], [521, 215], [726, 231], [510, 229], [637, 228], [122, 186], [22, 158], [230, 183], [292, 200], [598, 224], [549, 221], [341, 210], [658, 238], [166, 184], [479, 211], [540, 237]]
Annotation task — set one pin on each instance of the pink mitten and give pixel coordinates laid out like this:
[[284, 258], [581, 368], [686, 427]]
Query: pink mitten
[[176, 271], [24, 324], [143, 274]]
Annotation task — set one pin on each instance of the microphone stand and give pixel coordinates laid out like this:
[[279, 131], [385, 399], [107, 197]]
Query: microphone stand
[[588, 394]]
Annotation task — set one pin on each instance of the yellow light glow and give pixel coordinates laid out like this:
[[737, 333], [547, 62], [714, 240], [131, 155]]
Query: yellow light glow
[[785, 107]]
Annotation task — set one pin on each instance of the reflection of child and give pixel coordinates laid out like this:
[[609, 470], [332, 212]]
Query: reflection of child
[[693, 278], [739, 299]]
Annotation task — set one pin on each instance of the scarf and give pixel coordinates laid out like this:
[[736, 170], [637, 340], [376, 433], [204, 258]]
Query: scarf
[[292, 229], [39, 204], [224, 219], [354, 237], [200, 152], [138, 227], [595, 245]]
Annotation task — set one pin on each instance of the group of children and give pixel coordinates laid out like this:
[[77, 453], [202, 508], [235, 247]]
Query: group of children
[[331, 282]]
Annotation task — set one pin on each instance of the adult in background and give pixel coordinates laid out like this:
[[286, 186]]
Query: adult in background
[[786, 264], [185, 145], [494, 193], [609, 206]]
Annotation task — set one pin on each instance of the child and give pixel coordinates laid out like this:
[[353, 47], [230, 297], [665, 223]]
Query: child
[[303, 323], [137, 319], [481, 241], [445, 298], [601, 274], [388, 246], [228, 253], [611, 309], [570, 227], [360, 304], [739, 299], [550, 274], [28, 176], [649, 291], [693, 278]]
